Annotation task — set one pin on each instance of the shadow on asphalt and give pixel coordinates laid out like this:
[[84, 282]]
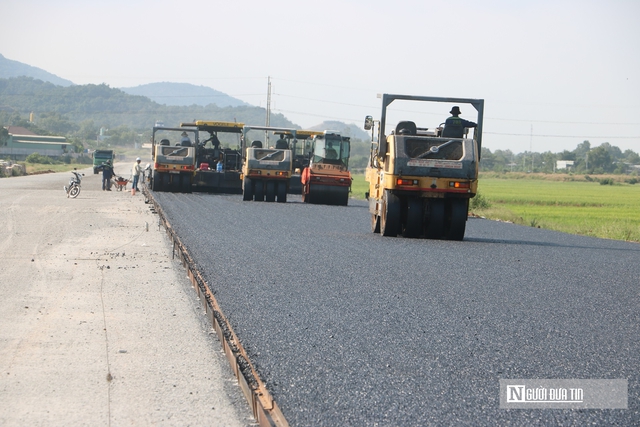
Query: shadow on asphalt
[[548, 244]]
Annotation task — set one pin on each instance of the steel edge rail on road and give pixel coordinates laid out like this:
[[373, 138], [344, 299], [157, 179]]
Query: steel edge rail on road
[[264, 408]]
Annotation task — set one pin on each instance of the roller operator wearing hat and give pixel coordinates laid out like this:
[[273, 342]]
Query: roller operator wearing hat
[[454, 126], [185, 141]]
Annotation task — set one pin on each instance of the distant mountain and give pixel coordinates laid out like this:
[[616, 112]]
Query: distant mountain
[[10, 68], [96, 106], [344, 129], [183, 94]]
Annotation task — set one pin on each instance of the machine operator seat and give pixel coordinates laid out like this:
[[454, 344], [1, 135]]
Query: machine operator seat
[[406, 128]]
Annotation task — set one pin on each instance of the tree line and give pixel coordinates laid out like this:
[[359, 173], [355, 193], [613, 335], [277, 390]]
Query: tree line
[[604, 158]]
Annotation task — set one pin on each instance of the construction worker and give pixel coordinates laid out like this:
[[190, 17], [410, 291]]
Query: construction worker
[[454, 126], [331, 153], [107, 174], [135, 172]]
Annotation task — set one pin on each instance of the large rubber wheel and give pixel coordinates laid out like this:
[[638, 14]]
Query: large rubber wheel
[[390, 215], [247, 190], [375, 223], [281, 192], [258, 191], [456, 218], [156, 182], [175, 183], [434, 221], [412, 218], [74, 191], [270, 191], [166, 182], [185, 183]]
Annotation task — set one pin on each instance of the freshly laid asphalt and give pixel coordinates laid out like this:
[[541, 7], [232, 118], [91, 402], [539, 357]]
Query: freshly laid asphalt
[[350, 328], [99, 325]]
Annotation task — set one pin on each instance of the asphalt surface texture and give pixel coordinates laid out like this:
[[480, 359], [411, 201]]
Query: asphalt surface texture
[[99, 325], [347, 327]]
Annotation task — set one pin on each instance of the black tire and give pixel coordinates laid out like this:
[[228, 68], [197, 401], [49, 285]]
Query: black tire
[[434, 220], [175, 183], [156, 182], [375, 223], [390, 214], [258, 191], [247, 189], [413, 217], [74, 191], [281, 192], [271, 191], [185, 183], [456, 218], [166, 182]]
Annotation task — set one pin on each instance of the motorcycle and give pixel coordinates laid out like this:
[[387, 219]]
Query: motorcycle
[[73, 189]]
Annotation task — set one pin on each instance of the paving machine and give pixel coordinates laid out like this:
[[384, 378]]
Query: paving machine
[[326, 179], [420, 182], [173, 152], [216, 168]]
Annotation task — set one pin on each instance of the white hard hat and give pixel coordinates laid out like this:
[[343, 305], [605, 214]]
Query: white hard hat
[[138, 159]]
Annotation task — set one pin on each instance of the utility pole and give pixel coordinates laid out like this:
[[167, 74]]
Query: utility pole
[[266, 133], [531, 147], [587, 161]]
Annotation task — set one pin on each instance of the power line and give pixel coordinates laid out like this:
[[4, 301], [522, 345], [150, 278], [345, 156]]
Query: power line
[[561, 123], [561, 136]]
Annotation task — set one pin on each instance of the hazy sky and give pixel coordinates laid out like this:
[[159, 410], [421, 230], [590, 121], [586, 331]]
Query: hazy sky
[[552, 73]]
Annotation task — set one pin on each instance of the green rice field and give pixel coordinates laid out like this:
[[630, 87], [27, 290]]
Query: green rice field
[[572, 206], [577, 207]]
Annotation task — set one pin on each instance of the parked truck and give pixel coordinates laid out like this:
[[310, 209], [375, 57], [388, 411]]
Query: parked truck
[[420, 180], [101, 157]]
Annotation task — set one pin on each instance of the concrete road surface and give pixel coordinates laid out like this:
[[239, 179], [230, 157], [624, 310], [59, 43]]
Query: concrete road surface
[[99, 325]]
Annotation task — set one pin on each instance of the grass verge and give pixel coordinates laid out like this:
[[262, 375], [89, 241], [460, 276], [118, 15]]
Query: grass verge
[[577, 207]]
